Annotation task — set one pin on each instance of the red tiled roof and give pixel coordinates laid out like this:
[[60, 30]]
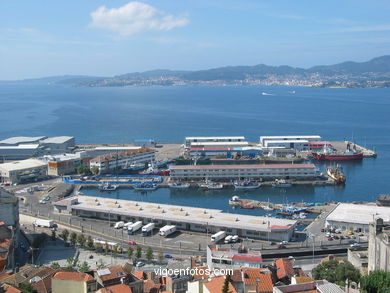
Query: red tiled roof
[[114, 155], [11, 289], [73, 276], [139, 274], [247, 257], [120, 288], [251, 166], [278, 227], [216, 285], [151, 286], [284, 268], [116, 272]]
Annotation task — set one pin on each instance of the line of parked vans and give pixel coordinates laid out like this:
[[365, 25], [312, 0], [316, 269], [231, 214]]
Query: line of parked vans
[[219, 236], [146, 230]]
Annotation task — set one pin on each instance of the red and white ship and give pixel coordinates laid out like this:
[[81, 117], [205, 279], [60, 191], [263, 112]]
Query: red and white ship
[[330, 154]]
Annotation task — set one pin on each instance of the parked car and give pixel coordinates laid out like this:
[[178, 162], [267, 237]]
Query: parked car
[[168, 256], [284, 242], [132, 242], [330, 238], [281, 246], [140, 264], [336, 237], [355, 245]]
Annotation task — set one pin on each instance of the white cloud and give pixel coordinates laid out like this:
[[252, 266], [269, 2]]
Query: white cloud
[[135, 17]]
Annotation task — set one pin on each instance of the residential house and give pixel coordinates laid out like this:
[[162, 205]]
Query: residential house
[[75, 282]]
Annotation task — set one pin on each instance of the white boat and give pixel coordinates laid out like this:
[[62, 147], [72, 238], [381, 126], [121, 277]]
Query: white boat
[[179, 185], [281, 183], [267, 208], [302, 215], [246, 185], [107, 187], [208, 185], [145, 187]]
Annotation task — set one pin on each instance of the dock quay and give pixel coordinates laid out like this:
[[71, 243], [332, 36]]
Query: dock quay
[[367, 153]]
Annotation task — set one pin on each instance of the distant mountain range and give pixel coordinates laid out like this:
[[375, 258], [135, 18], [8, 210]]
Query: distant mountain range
[[373, 73]]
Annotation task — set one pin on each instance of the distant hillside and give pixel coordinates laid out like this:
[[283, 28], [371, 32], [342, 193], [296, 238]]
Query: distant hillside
[[373, 73], [60, 79]]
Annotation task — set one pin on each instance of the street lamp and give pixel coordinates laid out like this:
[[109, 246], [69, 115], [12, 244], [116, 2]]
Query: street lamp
[[312, 236], [257, 285]]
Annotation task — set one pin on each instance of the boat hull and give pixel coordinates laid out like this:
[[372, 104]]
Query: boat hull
[[246, 187], [323, 157]]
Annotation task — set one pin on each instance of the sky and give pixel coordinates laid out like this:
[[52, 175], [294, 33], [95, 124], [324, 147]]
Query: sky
[[111, 37]]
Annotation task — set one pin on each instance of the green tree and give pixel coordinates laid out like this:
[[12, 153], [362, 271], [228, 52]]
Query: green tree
[[27, 288], [225, 288], [376, 282], [38, 240], [100, 264], [73, 238], [138, 252], [55, 265], [83, 170], [130, 252], [70, 262], [98, 247], [84, 267], [160, 256], [65, 235], [53, 235], [81, 240], [89, 242], [106, 248], [149, 254], [336, 272], [95, 170]]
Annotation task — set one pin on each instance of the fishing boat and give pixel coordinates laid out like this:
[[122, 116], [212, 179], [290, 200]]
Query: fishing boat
[[246, 184], [107, 187], [336, 174], [330, 154], [145, 186], [281, 183], [179, 185], [208, 185], [235, 201]]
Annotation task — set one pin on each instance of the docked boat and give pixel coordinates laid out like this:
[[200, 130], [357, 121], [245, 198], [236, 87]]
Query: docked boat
[[246, 185], [107, 187], [281, 183], [336, 174], [179, 185], [208, 185], [145, 187], [330, 154]]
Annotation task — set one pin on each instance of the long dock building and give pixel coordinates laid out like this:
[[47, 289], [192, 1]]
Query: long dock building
[[254, 171], [215, 141], [184, 217]]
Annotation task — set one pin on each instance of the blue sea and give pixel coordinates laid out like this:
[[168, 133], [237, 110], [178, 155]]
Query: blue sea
[[168, 114]]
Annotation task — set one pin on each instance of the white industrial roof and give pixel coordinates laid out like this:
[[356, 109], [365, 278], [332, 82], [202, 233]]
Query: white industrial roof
[[57, 139], [215, 137], [358, 213], [20, 146], [216, 143], [63, 157], [113, 148], [21, 139], [287, 141], [185, 214], [22, 165], [289, 136]]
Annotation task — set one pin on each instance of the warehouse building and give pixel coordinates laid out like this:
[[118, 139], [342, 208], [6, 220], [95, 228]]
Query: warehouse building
[[255, 171], [58, 144], [18, 140], [226, 152], [64, 164], [355, 217], [23, 171], [185, 218], [20, 152], [298, 145], [123, 160], [264, 139], [220, 144], [24, 147], [189, 141]]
